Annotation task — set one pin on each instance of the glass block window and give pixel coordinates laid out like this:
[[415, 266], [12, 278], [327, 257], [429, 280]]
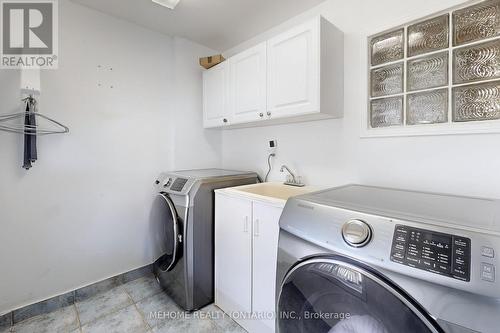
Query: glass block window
[[387, 112], [439, 72]]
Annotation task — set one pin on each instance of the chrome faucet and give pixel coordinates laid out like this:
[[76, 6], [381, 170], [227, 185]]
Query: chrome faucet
[[291, 180]]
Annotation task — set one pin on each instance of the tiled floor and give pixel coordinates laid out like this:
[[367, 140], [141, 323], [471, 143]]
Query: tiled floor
[[135, 307]]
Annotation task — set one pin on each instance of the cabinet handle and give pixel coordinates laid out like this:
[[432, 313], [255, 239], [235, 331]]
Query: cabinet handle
[[224, 120], [261, 115], [245, 225], [269, 113], [256, 228]]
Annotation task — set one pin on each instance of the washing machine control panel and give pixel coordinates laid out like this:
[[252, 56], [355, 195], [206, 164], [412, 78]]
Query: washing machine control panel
[[435, 252]]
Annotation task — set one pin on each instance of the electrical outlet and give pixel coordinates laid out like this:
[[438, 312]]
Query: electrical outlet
[[272, 146]]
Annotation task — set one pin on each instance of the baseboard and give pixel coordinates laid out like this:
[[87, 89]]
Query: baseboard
[[71, 297]]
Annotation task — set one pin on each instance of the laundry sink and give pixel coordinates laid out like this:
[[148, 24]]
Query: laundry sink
[[274, 191]]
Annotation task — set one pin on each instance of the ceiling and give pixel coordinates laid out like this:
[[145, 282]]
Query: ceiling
[[218, 24]]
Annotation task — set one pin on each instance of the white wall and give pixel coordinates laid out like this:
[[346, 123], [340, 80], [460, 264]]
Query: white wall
[[332, 152], [194, 147], [81, 214]]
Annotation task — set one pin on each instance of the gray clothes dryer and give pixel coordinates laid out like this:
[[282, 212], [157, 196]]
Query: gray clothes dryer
[[378, 260], [183, 217]]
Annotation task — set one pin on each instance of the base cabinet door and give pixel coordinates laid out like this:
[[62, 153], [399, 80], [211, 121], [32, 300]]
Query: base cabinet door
[[265, 251], [233, 254]]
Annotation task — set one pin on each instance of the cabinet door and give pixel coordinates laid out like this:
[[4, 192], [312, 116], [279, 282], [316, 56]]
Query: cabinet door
[[248, 85], [215, 96], [233, 254], [293, 71], [265, 251]]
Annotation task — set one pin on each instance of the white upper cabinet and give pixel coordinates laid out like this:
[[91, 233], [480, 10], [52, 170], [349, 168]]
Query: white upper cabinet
[[248, 85], [216, 112], [295, 76], [293, 71]]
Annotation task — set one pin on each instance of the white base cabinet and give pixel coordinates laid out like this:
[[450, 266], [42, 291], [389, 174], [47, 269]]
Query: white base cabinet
[[295, 76], [246, 245]]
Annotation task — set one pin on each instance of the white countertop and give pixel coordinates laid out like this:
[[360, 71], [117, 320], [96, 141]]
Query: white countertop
[[273, 193]]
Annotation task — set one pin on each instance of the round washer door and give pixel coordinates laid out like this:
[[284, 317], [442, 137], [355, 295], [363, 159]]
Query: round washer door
[[170, 232], [338, 295]]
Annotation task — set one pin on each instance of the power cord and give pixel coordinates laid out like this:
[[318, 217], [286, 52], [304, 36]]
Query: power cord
[[269, 165]]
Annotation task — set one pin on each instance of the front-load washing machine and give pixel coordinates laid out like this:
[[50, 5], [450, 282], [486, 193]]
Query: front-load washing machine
[[376, 260], [183, 217]]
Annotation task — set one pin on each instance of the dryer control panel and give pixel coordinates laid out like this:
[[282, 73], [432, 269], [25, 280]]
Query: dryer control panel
[[178, 184], [431, 251], [173, 184]]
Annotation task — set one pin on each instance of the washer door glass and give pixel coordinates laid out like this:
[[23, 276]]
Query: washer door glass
[[338, 295], [169, 231]]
